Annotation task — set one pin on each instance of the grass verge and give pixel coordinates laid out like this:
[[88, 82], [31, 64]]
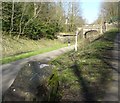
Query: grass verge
[[12, 46], [83, 75], [25, 55]]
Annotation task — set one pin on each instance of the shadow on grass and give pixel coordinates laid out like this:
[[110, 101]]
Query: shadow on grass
[[93, 91], [111, 66], [97, 39], [105, 38], [88, 94]]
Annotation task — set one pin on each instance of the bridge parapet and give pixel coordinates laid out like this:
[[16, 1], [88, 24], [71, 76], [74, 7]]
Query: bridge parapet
[[87, 28]]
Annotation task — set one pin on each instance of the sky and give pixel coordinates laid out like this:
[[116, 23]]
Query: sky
[[90, 10]]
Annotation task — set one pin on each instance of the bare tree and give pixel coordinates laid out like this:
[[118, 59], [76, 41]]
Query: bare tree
[[24, 7], [109, 10], [12, 16], [74, 14], [36, 13], [35, 8]]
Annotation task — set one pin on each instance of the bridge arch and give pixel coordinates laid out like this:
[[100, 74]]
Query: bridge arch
[[85, 34], [88, 28]]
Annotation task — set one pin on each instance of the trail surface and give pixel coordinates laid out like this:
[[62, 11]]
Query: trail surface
[[9, 71], [112, 93]]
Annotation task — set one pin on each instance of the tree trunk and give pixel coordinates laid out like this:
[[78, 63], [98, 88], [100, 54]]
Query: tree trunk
[[11, 28], [21, 19], [31, 19], [35, 8]]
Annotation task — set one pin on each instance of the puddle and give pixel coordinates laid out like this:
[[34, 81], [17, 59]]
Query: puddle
[[31, 76], [43, 65]]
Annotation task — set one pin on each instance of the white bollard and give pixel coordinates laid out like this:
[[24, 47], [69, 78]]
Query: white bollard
[[76, 40]]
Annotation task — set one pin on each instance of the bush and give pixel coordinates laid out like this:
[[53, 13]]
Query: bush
[[37, 30]]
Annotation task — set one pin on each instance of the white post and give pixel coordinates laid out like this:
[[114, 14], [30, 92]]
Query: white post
[[76, 40], [101, 31], [106, 26]]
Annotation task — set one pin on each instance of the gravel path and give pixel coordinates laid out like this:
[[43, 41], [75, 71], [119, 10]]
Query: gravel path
[[9, 71], [112, 93]]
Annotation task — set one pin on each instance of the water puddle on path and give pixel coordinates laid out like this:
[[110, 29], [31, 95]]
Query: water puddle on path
[[30, 83]]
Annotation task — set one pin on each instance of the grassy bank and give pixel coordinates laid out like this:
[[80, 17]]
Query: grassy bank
[[13, 46], [25, 55], [83, 75], [14, 49]]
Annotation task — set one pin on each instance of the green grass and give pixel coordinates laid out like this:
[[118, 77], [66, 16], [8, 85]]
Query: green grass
[[14, 49], [85, 72], [13, 46], [25, 55]]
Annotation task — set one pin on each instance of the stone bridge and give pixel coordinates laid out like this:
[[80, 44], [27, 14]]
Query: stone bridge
[[84, 30], [87, 28]]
